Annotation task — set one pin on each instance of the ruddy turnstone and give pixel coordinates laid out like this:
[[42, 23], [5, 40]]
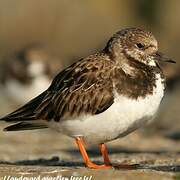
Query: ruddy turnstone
[[102, 97], [26, 74]]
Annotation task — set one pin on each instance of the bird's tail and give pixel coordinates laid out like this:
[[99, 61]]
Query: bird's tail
[[21, 126], [26, 112]]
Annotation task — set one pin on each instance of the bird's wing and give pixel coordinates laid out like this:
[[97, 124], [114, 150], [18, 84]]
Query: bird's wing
[[84, 87]]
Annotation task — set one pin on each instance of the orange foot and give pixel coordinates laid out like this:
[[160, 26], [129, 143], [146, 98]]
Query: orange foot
[[92, 165]]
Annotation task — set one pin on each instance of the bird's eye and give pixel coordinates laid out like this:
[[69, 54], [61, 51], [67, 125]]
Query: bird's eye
[[140, 46]]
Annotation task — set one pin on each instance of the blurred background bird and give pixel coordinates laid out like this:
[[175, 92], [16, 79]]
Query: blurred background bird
[[27, 72]]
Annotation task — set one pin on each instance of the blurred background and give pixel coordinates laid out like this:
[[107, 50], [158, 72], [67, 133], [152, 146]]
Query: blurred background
[[39, 38]]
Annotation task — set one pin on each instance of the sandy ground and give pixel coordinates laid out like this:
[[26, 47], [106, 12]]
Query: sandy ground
[[46, 153]]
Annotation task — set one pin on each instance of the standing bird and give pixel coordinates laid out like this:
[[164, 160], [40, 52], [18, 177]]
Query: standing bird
[[102, 97]]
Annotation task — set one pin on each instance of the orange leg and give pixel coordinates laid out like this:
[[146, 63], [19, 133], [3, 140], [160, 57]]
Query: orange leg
[[104, 153], [107, 161], [85, 156]]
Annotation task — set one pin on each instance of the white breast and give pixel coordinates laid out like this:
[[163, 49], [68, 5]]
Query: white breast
[[124, 116]]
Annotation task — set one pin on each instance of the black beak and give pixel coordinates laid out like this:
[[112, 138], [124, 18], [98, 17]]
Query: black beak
[[162, 58]]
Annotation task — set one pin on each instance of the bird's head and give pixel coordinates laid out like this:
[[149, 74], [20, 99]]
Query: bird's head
[[136, 44]]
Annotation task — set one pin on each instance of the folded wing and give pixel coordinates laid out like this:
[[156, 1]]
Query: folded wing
[[83, 88]]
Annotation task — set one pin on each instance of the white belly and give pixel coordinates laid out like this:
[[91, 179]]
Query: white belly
[[124, 116]]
